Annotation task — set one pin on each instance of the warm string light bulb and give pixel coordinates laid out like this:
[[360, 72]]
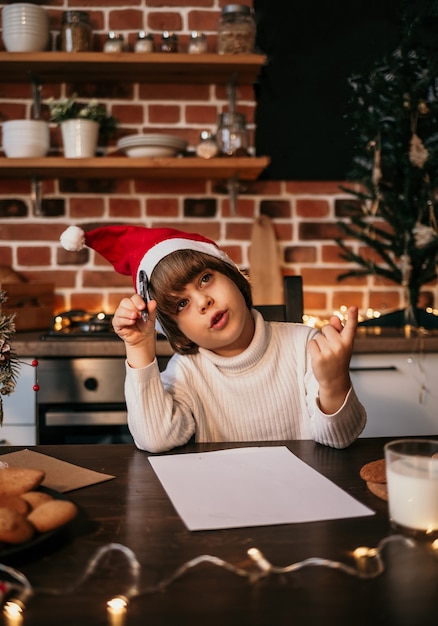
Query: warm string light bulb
[[13, 613], [117, 609]]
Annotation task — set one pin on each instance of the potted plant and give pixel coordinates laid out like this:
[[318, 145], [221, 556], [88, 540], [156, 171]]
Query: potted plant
[[81, 123]]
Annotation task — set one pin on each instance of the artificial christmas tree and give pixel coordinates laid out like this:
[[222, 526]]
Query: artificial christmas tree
[[394, 120], [9, 366]]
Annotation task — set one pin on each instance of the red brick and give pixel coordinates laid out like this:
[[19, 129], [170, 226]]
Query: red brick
[[124, 207], [105, 279], [31, 232], [182, 187], [203, 20], [245, 207], [128, 113], [312, 208], [86, 207], [5, 256], [314, 300], [174, 92], [239, 230], [327, 276], [164, 114], [162, 207], [126, 19], [164, 20], [201, 114], [300, 254], [92, 302], [36, 255], [179, 3], [347, 298], [331, 254]]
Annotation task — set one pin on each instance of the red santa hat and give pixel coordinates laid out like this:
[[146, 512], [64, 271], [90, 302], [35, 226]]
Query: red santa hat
[[132, 249]]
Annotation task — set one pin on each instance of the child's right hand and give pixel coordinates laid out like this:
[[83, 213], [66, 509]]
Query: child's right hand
[[130, 327]]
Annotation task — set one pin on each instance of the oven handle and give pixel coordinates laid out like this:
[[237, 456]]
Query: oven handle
[[84, 418]]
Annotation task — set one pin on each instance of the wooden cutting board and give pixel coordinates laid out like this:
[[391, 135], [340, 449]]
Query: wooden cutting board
[[265, 264]]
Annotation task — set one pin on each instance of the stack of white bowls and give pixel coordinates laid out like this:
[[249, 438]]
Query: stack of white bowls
[[152, 145], [26, 138], [25, 27]]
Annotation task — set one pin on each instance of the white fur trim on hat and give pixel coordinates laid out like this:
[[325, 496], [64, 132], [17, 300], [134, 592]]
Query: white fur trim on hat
[[73, 239], [162, 249]]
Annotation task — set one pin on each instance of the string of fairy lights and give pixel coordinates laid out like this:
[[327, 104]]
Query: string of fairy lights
[[367, 562]]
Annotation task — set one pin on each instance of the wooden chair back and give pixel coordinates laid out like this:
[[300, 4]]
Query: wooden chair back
[[292, 310]]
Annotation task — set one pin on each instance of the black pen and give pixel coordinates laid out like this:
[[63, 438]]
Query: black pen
[[143, 280]]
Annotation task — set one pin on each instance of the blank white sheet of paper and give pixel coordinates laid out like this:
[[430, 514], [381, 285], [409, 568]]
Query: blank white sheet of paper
[[254, 486]]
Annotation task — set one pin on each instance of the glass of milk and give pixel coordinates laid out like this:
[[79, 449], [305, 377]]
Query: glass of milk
[[412, 476]]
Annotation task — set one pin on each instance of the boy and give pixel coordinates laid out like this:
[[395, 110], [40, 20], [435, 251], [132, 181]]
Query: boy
[[234, 376]]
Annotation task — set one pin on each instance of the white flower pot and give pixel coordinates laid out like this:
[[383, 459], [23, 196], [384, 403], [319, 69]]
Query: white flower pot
[[79, 138]]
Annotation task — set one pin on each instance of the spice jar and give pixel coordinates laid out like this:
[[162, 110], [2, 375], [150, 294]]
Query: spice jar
[[76, 32], [207, 147], [232, 134], [144, 43], [169, 42], [114, 43], [236, 30], [197, 43]]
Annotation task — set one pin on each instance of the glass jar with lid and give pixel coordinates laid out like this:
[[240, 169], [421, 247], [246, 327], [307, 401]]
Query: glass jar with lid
[[236, 30], [232, 135], [169, 42], [114, 43], [197, 43], [76, 32], [144, 43]]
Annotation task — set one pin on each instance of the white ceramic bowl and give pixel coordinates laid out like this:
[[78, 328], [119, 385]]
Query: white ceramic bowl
[[26, 138], [25, 27]]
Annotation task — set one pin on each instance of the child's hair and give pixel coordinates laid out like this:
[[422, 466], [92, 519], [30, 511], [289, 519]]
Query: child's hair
[[169, 278]]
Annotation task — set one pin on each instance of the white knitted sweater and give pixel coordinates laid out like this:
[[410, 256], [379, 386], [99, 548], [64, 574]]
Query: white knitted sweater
[[266, 393]]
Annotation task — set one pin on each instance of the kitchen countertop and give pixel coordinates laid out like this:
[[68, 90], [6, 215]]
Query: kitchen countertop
[[368, 341]]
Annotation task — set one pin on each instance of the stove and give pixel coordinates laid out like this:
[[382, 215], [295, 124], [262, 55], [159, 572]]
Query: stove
[[80, 324]]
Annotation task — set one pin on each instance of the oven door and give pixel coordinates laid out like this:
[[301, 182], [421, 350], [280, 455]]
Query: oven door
[[81, 400], [100, 423]]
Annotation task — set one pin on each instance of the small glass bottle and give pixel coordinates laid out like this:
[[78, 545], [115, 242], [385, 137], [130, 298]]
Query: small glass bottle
[[144, 43], [114, 43], [232, 134], [236, 30], [76, 32], [169, 42], [207, 147], [197, 43]]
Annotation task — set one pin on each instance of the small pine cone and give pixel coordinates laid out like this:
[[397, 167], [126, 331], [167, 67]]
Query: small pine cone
[[418, 154]]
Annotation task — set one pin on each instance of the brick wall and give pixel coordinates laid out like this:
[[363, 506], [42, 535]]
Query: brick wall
[[304, 213]]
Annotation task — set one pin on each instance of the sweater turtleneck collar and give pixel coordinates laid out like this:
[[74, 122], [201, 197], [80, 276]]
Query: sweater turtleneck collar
[[249, 357]]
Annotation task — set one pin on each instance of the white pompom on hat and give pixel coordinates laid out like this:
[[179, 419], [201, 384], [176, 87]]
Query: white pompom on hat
[[131, 249]]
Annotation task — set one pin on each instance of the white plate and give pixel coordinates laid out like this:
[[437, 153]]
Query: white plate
[[167, 141], [149, 151]]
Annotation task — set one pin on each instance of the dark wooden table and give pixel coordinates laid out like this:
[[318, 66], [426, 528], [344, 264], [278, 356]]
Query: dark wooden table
[[133, 510]]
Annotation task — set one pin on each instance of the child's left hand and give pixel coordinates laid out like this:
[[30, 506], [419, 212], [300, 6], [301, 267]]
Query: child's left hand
[[331, 352]]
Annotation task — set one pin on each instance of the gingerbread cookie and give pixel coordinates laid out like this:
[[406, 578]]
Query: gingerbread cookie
[[14, 528], [17, 480], [16, 503], [36, 498], [52, 514], [378, 489], [374, 471]]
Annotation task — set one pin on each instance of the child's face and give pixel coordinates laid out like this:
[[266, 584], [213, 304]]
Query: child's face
[[211, 311]]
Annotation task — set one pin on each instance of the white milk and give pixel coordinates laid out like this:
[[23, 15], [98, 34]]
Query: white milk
[[413, 492]]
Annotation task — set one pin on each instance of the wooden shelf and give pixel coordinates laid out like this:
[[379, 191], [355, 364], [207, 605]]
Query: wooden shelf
[[157, 67], [244, 168]]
